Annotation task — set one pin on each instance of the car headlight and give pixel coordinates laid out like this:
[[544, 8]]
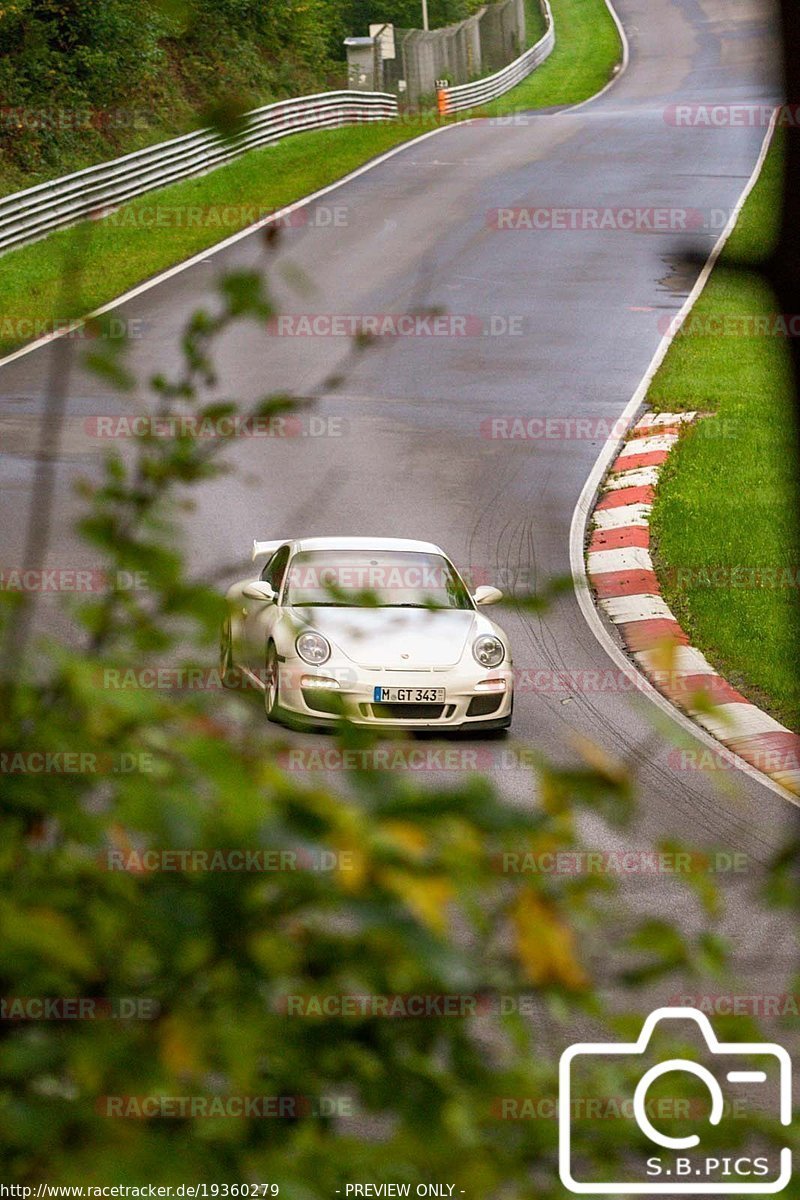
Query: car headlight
[[313, 648], [488, 650]]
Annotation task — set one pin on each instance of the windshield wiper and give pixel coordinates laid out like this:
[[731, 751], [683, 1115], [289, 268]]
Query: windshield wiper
[[430, 607], [322, 604], [346, 604]]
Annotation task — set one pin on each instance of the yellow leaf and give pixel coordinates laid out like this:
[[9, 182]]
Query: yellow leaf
[[663, 657], [545, 943], [426, 896], [596, 757], [405, 836], [352, 866], [178, 1044]]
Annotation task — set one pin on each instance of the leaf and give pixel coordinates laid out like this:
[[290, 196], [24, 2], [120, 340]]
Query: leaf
[[426, 897], [597, 758], [545, 944], [178, 1046], [663, 657], [405, 836], [352, 866], [44, 934]]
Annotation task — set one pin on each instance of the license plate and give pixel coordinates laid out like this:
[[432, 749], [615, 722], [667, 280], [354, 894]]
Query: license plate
[[399, 695]]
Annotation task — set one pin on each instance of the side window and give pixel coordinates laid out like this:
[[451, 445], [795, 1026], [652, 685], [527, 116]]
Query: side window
[[275, 569]]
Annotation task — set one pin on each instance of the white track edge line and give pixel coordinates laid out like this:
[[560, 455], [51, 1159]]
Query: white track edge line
[[583, 508], [626, 58]]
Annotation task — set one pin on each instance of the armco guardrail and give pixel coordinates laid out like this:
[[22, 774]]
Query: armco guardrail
[[27, 215], [469, 95], [30, 214]]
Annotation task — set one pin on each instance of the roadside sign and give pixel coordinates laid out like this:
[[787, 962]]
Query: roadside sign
[[385, 35]]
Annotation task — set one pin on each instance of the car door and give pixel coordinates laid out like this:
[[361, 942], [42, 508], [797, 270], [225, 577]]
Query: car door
[[261, 616]]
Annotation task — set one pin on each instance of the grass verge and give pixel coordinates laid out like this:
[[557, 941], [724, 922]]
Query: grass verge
[[155, 231], [586, 52], [535, 24], [726, 542]]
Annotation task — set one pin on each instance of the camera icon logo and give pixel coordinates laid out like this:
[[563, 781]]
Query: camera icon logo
[[680, 1164]]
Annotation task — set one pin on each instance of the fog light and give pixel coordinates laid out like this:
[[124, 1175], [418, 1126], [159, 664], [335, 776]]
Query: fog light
[[491, 685], [319, 681]]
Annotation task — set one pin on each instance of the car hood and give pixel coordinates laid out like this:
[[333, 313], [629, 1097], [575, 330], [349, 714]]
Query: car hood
[[400, 638]]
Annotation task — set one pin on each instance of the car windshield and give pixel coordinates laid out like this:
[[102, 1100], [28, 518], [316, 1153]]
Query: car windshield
[[374, 578]]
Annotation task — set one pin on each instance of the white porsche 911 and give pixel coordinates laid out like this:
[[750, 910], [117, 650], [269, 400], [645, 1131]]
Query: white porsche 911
[[383, 630]]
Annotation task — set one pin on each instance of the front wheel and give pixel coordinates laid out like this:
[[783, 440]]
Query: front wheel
[[230, 676], [271, 683]]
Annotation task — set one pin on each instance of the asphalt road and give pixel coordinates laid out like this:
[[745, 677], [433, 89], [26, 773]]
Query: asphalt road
[[575, 317]]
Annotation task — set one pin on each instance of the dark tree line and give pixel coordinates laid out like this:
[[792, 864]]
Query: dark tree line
[[81, 81]]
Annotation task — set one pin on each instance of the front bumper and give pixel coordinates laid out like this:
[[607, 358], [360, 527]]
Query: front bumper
[[466, 705]]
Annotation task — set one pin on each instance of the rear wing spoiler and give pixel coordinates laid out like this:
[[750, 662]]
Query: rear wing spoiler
[[264, 548]]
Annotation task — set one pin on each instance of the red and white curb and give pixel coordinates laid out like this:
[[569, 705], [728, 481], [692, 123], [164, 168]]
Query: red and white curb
[[626, 588]]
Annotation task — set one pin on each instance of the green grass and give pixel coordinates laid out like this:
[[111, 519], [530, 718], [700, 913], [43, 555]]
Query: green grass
[[728, 496], [535, 24], [117, 253], [586, 51]]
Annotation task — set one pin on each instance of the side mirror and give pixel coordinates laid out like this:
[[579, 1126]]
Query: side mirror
[[258, 590], [487, 595]]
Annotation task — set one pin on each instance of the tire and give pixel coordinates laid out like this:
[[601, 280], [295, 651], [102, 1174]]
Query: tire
[[272, 684], [230, 676]]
